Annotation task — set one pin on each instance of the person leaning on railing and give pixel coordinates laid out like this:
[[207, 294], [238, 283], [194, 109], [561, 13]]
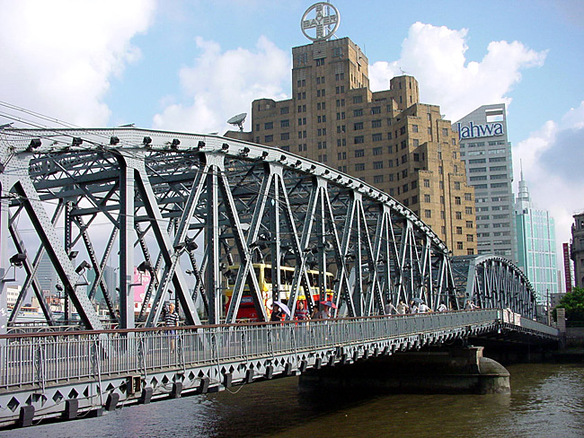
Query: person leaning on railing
[[171, 319]]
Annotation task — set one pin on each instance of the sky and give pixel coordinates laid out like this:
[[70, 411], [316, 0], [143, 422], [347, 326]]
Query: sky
[[189, 65]]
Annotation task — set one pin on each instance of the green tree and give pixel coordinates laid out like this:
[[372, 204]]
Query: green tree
[[573, 302]]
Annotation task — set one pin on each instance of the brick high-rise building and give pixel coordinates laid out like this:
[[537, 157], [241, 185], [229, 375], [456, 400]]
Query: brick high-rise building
[[387, 138]]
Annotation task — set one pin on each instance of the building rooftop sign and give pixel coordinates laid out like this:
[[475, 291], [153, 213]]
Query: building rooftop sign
[[324, 18]]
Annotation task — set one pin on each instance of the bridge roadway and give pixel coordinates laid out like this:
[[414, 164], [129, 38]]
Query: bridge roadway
[[64, 374]]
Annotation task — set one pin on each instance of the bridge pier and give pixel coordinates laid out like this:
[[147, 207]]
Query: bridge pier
[[457, 370]]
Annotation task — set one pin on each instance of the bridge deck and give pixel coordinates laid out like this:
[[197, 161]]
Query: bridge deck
[[47, 371]]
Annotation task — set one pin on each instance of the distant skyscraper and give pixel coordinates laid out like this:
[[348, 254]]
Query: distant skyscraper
[[486, 152], [536, 245], [577, 249], [110, 278], [47, 276]]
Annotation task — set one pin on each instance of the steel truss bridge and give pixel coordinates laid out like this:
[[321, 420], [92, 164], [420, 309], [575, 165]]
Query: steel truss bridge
[[195, 214]]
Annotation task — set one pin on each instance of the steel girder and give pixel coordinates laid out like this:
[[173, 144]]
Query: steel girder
[[188, 204], [494, 282]]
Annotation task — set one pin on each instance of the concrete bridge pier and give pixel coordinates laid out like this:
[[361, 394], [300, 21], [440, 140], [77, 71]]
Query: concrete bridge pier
[[456, 370]]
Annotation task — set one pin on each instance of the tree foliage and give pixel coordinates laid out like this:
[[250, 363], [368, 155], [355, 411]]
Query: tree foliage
[[573, 302]]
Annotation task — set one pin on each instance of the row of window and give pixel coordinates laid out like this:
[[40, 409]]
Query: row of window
[[496, 234], [490, 152], [482, 143], [484, 169], [491, 160], [493, 186]]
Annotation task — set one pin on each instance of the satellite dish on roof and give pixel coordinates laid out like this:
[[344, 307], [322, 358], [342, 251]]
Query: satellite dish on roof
[[238, 120]]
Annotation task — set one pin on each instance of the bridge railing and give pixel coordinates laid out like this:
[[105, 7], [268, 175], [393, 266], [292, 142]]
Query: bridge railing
[[56, 357]]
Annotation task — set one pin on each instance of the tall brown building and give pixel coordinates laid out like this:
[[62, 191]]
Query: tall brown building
[[387, 138]]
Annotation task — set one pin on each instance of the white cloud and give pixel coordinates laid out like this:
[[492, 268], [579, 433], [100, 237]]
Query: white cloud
[[58, 56], [436, 57], [221, 84], [552, 160]]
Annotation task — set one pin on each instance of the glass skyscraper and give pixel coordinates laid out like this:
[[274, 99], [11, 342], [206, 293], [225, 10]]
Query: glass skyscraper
[[536, 245]]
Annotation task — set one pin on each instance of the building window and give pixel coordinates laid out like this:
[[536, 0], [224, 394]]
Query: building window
[[359, 139], [359, 153], [459, 245], [426, 198], [469, 224], [458, 230], [456, 185], [468, 210], [377, 179], [269, 138], [285, 136], [358, 113], [376, 123], [468, 197], [427, 214], [426, 183], [469, 238], [414, 128], [378, 164], [377, 151], [357, 99], [358, 126], [359, 167], [377, 137], [376, 110], [284, 123], [269, 125], [458, 215], [457, 200], [284, 110]]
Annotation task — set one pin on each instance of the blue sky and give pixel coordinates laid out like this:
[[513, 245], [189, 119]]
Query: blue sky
[[189, 65]]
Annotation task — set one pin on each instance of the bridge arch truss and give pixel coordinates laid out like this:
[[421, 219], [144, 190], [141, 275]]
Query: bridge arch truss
[[494, 282], [183, 209]]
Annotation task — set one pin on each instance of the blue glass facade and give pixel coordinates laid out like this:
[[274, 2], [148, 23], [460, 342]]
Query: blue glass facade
[[536, 245]]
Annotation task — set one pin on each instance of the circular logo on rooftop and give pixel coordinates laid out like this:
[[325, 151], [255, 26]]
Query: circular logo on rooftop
[[320, 21]]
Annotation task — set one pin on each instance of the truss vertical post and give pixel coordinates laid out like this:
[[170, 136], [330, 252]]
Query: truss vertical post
[[4, 259], [126, 221], [213, 273], [67, 238]]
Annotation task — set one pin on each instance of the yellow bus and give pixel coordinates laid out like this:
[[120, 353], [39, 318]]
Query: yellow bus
[[263, 273]]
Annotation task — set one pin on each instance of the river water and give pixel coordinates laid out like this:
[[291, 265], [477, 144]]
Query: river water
[[547, 400]]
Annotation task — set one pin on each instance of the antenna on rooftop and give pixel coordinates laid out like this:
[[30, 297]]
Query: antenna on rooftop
[[238, 120]]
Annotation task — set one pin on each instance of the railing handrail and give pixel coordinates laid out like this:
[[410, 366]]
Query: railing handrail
[[50, 333]]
